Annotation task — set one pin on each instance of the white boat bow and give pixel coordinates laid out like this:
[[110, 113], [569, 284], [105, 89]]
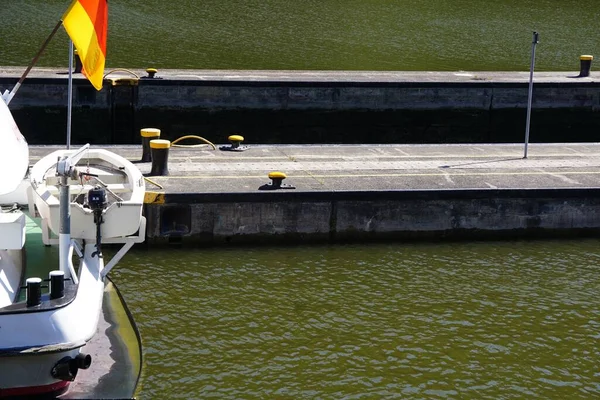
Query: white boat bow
[[84, 198], [14, 152]]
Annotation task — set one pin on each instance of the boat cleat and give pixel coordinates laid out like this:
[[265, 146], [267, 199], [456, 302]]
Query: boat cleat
[[276, 182], [235, 145]]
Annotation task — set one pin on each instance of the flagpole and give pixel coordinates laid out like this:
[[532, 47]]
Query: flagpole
[[8, 96], [70, 94]]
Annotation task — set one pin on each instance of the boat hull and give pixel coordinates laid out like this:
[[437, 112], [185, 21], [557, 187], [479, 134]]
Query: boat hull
[[33, 342], [31, 375]]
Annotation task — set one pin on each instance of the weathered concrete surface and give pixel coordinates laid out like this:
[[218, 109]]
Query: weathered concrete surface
[[116, 354], [373, 192], [332, 90], [310, 106]]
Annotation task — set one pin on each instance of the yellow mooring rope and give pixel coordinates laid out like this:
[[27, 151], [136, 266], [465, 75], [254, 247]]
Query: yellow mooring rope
[[121, 70], [158, 185], [173, 143]]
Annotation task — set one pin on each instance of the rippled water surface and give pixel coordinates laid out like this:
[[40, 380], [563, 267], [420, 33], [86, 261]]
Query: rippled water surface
[[430, 35], [479, 320]]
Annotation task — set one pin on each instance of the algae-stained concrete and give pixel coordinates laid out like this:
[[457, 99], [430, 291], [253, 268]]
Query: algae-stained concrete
[[310, 106], [377, 216]]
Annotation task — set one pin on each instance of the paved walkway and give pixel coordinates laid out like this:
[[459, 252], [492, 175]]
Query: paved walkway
[[224, 75], [373, 167]]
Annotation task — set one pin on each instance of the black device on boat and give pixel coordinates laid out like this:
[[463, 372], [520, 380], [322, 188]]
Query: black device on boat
[[97, 202]]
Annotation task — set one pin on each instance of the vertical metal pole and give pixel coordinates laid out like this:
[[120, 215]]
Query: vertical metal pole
[[64, 232], [535, 42], [70, 94], [64, 236]]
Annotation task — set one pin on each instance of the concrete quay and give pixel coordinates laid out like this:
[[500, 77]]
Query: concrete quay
[[303, 107], [371, 192]]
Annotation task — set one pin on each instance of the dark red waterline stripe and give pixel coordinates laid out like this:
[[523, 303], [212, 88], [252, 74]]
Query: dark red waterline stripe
[[33, 390]]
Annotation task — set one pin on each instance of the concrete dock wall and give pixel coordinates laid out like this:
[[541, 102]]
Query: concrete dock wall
[[356, 216], [370, 192], [304, 107]]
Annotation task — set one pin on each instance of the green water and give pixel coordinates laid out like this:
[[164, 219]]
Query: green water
[[444, 35], [474, 320]]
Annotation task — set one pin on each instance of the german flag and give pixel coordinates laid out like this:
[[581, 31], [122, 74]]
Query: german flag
[[86, 22]]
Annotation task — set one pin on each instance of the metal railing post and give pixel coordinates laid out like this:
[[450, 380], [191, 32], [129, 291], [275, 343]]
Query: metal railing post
[[533, 44]]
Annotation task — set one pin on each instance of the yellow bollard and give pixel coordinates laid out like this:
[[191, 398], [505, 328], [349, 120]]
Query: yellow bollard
[[151, 72], [235, 145], [147, 135], [78, 63], [276, 178], [585, 65], [160, 157]]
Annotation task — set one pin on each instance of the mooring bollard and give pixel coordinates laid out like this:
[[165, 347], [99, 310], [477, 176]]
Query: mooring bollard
[[78, 63], [160, 157], [586, 65], [147, 135], [235, 145], [151, 72], [276, 178], [57, 284], [34, 292]]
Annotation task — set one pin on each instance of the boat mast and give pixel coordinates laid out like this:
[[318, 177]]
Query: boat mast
[[65, 169], [70, 94]]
